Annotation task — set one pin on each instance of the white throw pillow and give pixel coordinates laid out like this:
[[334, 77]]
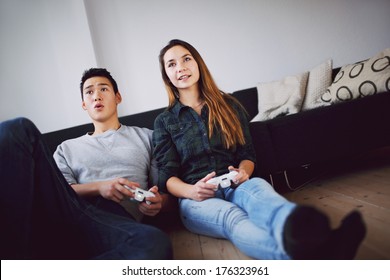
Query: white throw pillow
[[360, 79], [283, 97], [320, 78]]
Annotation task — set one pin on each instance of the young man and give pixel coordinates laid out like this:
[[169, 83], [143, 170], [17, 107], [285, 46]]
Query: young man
[[41, 212], [103, 164]]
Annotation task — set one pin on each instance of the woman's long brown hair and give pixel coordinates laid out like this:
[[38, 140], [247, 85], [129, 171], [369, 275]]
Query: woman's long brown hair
[[220, 112]]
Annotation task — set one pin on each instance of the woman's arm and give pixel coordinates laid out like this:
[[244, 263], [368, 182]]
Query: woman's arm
[[245, 154], [248, 166], [245, 170], [200, 191], [164, 152]]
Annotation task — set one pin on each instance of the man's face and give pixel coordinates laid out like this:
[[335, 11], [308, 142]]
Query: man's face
[[100, 100]]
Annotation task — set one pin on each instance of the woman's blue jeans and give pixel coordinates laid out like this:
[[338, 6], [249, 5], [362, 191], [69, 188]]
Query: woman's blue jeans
[[42, 217], [252, 217]]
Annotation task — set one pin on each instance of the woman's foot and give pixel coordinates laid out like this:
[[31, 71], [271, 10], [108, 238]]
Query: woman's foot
[[348, 237], [307, 235]]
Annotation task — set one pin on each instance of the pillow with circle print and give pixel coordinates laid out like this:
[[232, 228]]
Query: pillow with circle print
[[360, 79]]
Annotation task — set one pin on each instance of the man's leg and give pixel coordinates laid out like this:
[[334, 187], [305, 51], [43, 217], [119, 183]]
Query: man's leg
[[42, 216], [34, 199]]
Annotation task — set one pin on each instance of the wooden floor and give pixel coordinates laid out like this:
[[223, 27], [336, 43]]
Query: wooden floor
[[362, 183]]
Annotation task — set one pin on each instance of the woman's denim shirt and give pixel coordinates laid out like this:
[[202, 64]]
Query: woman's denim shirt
[[183, 149]]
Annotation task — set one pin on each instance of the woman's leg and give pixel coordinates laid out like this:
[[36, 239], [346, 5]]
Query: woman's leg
[[265, 207], [222, 219], [43, 218], [302, 231]]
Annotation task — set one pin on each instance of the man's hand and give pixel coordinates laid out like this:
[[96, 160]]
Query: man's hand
[[155, 206], [114, 189]]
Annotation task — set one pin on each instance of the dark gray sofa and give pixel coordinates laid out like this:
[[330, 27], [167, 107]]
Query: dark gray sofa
[[285, 145], [317, 138]]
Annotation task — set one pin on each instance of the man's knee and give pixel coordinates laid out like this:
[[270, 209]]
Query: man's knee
[[157, 244], [16, 127]]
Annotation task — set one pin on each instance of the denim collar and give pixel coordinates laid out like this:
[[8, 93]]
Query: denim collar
[[178, 107]]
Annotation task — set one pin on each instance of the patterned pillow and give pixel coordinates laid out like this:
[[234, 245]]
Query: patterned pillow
[[360, 79]]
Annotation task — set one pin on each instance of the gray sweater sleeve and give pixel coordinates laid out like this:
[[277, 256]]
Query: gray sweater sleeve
[[62, 164]]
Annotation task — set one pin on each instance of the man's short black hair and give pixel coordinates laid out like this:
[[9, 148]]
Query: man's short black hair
[[97, 72]]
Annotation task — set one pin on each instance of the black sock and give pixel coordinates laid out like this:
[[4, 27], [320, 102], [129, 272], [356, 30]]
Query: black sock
[[348, 237], [306, 231], [307, 235]]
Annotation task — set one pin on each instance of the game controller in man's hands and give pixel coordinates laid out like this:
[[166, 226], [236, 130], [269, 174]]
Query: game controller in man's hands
[[224, 180], [140, 195]]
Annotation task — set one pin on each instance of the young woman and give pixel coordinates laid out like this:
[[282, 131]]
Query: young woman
[[204, 133]]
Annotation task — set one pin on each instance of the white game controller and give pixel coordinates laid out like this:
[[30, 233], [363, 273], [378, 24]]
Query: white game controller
[[224, 180], [140, 195]]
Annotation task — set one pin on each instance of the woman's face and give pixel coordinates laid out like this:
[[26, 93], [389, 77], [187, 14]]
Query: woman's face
[[181, 68]]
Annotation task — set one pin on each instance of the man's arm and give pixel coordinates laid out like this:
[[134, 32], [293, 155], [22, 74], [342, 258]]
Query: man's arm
[[112, 189]]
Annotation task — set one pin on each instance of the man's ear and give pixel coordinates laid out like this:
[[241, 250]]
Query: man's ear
[[118, 97], [83, 105]]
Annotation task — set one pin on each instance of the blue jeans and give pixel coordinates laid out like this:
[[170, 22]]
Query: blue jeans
[[252, 217], [42, 217]]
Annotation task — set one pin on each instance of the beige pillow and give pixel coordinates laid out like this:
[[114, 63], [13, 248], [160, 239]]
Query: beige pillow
[[360, 79], [320, 78], [283, 97]]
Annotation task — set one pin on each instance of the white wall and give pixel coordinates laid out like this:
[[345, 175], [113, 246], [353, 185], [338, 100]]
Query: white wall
[[243, 42], [45, 47]]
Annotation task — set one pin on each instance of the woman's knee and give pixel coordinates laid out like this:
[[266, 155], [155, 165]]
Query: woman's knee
[[260, 181], [257, 183]]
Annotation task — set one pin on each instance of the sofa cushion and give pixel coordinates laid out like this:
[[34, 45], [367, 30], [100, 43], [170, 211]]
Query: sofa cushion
[[282, 97], [360, 79], [320, 78]]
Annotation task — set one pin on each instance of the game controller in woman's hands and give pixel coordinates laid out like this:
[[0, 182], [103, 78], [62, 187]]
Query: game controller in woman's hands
[[224, 180]]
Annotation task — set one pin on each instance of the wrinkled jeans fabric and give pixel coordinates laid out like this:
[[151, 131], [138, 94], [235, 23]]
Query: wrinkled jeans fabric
[[251, 216], [43, 218]]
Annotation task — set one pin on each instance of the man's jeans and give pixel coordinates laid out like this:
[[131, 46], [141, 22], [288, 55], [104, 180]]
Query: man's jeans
[[42, 217], [251, 216]]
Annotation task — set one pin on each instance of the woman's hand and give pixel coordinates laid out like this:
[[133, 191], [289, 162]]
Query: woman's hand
[[241, 177], [201, 190]]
